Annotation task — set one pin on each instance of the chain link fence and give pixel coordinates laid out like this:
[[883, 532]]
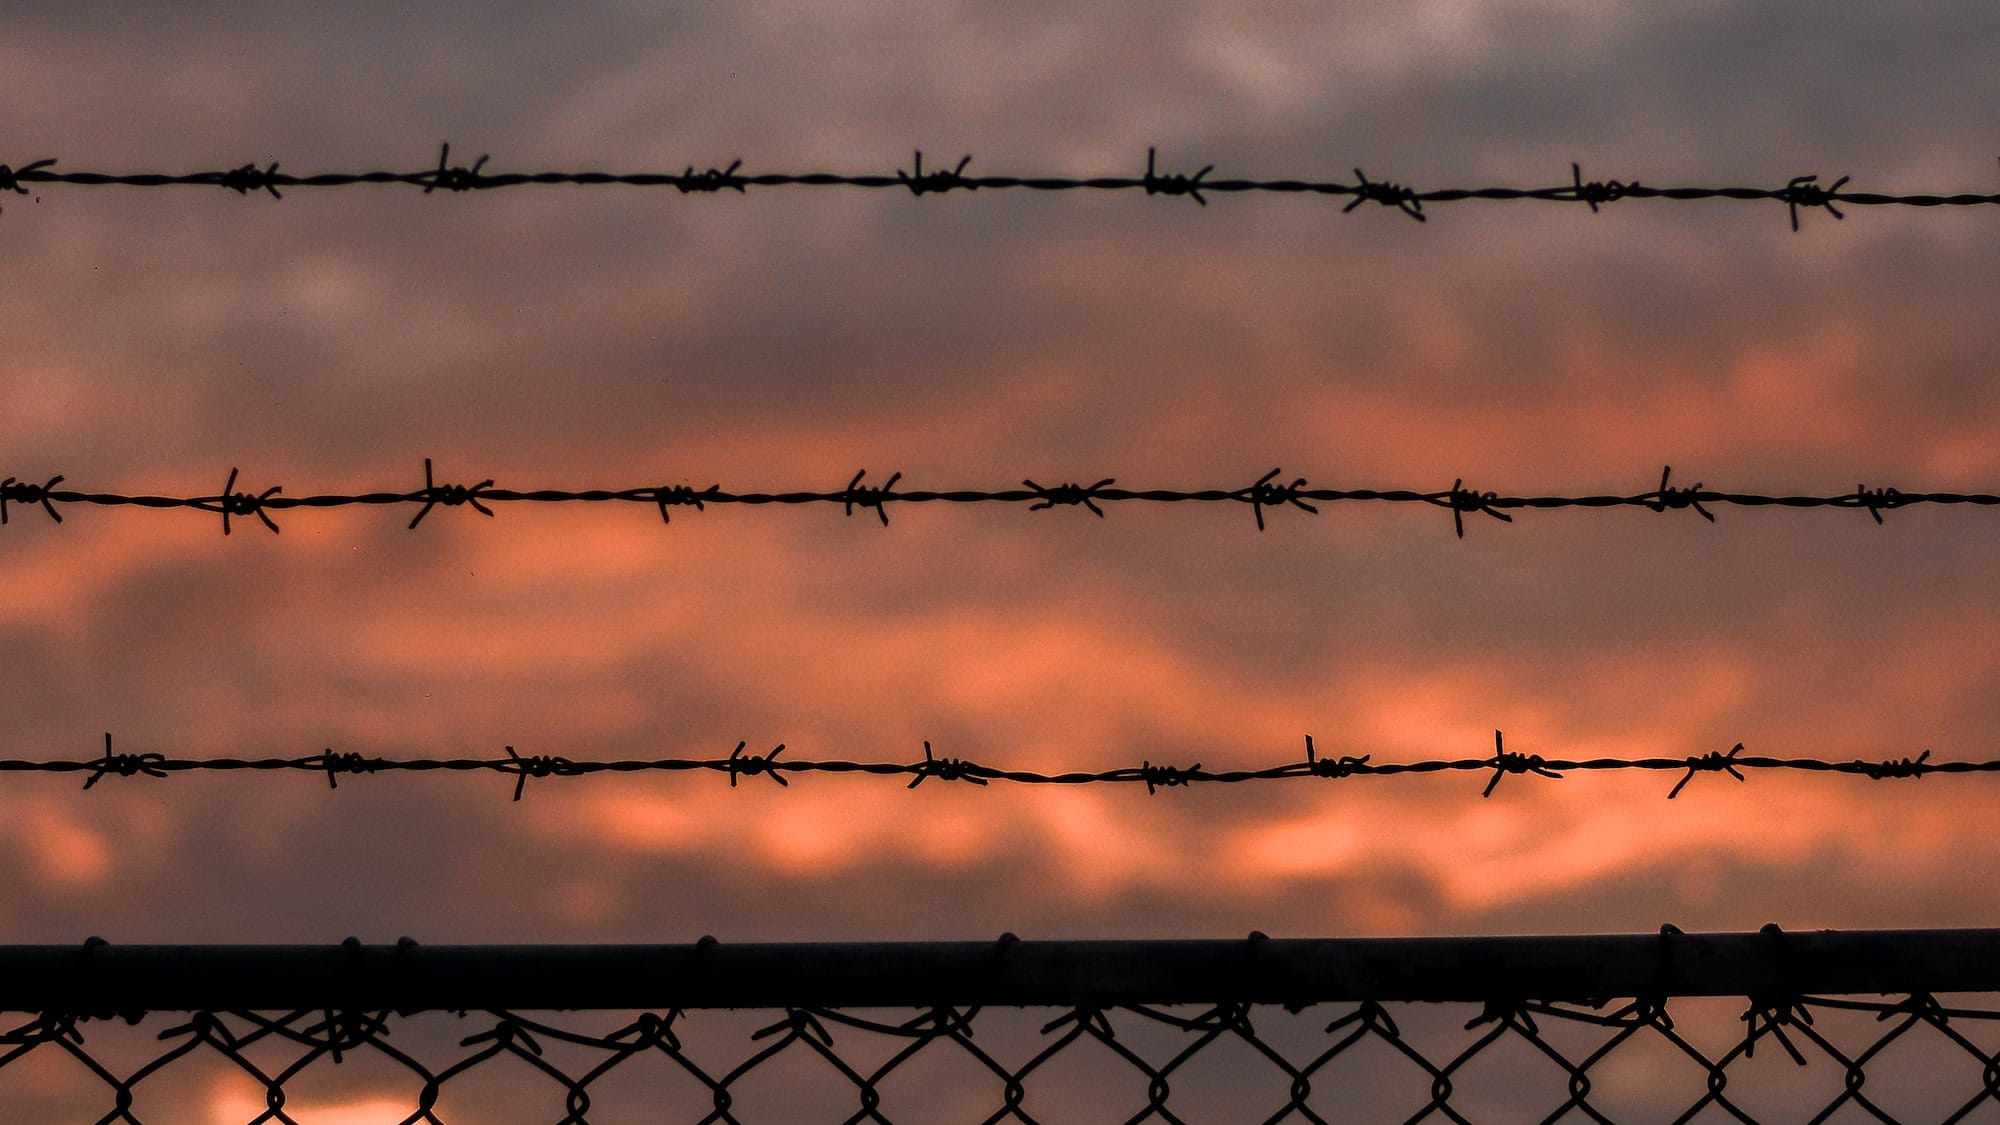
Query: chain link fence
[[1914, 1059], [1749, 1027]]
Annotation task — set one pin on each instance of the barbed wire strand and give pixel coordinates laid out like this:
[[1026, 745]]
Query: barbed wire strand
[[1802, 192], [1267, 493], [741, 763]]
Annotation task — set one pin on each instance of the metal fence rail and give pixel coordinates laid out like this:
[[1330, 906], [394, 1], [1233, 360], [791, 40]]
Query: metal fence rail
[[102, 978], [1258, 1029]]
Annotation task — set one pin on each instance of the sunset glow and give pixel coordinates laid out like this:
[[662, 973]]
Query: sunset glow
[[782, 339]]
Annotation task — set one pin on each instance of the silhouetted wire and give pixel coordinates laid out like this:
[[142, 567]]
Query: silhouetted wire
[[1798, 192], [244, 1039], [269, 1050], [739, 763], [1272, 1073], [1266, 493]]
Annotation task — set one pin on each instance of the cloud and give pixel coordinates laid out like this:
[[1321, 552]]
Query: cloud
[[584, 337]]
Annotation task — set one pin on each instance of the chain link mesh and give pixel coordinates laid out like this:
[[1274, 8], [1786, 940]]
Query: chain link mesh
[[1709, 1059]]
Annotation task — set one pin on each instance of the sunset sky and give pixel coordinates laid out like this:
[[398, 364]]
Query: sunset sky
[[609, 337]]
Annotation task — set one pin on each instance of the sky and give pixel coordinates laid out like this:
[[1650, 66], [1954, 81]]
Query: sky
[[782, 339]]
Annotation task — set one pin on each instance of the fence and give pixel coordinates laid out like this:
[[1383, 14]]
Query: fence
[[1665, 1027], [1268, 492], [1804, 191], [1446, 1029], [741, 763]]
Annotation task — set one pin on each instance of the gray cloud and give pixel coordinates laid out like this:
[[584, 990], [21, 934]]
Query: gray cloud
[[564, 337]]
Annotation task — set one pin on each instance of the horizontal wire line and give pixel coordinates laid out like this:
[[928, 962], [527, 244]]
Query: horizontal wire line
[[1268, 492], [1154, 776], [1804, 191]]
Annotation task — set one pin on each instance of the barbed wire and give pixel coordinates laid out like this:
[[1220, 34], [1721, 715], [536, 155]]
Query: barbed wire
[[741, 763], [1267, 493], [1799, 192]]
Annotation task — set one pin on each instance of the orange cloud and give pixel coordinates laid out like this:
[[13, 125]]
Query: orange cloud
[[68, 854]]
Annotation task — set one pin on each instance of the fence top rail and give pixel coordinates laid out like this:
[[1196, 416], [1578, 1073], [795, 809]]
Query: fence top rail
[[101, 978]]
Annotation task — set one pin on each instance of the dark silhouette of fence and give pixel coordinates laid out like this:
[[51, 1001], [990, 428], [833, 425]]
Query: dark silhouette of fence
[[1155, 776], [1584, 1022], [1804, 191], [1266, 493], [110, 1033]]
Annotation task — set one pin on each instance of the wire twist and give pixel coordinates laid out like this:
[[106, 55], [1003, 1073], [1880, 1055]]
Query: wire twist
[[1265, 493], [1155, 776], [1804, 192]]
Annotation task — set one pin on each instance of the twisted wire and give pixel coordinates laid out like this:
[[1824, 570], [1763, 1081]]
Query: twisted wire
[[1267, 494], [1798, 193], [742, 764]]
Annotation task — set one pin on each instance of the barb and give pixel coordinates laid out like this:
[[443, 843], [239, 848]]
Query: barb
[[1175, 183], [1263, 494], [538, 765], [1715, 761], [1597, 192], [236, 503], [251, 178], [668, 496], [945, 769], [713, 180], [10, 178], [1073, 494], [1166, 777], [450, 495], [1902, 767], [21, 492], [1795, 193], [1389, 195], [1876, 499], [350, 762], [1462, 500], [1505, 762], [942, 181], [1667, 498], [864, 496], [1343, 766], [751, 765], [1804, 191], [455, 177], [738, 763], [124, 765]]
